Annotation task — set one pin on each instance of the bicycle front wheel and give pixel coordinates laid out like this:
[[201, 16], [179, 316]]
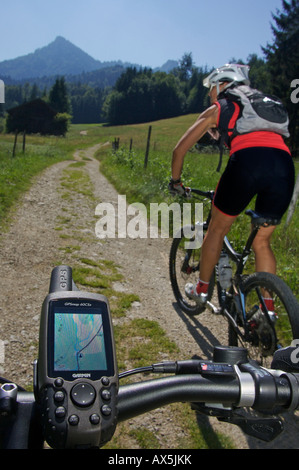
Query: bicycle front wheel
[[267, 332], [184, 263]]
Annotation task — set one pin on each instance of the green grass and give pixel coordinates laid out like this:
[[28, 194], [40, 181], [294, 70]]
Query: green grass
[[75, 179], [142, 342], [16, 173], [99, 276]]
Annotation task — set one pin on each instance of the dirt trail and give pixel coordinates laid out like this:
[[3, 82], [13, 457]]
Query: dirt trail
[[32, 248]]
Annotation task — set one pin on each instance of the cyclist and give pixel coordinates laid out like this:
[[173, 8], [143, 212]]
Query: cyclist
[[260, 164]]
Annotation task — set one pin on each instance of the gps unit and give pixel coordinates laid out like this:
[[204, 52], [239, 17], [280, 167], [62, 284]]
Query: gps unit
[[76, 374]]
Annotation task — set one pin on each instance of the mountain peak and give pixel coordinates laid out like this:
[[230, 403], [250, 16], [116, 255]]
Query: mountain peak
[[60, 57], [60, 39]]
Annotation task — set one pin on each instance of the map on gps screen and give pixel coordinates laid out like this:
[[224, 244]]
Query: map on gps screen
[[79, 342]]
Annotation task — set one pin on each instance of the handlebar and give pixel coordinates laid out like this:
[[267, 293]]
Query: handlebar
[[217, 388], [199, 192]]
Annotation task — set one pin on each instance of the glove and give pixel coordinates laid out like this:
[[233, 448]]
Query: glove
[[176, 188]]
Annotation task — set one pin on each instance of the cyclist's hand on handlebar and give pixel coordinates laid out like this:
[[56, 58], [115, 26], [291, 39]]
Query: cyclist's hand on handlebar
[[176, 188]]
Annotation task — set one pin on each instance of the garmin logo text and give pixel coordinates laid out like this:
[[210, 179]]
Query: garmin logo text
[[81, 376], [2, 92]]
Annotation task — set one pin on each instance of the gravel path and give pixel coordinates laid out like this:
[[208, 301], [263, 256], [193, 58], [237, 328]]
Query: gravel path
[[33, 246]]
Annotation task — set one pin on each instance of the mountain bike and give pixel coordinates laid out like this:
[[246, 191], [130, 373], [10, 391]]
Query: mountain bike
[[77, 400], [239, 297]]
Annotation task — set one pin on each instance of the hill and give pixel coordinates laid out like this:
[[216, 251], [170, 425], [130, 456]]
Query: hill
[[60, 57]]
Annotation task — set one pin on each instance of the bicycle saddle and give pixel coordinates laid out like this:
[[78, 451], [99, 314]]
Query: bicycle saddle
[[261, 221]]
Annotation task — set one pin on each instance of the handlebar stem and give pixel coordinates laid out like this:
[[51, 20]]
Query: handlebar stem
[[21, 429]]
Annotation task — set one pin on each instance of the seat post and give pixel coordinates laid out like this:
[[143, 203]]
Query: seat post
[[253, 233], [247, 249]]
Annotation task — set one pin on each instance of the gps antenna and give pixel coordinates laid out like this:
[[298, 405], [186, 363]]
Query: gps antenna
[[62, 279]]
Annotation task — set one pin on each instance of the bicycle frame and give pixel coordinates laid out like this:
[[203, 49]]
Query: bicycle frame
[[238, 258]]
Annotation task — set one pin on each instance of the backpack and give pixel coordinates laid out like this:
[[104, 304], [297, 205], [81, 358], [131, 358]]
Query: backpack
[[259, 112]]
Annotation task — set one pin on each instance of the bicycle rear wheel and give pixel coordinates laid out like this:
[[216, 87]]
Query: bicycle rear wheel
[[184, 262], [266, 336]]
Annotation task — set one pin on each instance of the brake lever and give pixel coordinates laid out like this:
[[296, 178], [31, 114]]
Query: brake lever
[[266, 428]]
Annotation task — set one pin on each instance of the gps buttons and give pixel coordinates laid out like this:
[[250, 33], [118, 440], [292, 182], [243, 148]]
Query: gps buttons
[[83, 394], [106, 410]]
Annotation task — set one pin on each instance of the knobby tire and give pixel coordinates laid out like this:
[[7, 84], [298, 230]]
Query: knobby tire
[[184, 268], [262, 346]]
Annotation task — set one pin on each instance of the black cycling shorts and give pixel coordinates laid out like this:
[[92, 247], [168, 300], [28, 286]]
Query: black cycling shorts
[[267, 173]]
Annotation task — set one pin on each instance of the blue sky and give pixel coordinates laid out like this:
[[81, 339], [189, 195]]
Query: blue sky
[[147, 32]]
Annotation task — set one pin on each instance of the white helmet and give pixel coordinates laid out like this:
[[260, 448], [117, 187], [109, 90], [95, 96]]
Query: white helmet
[[231, 73]]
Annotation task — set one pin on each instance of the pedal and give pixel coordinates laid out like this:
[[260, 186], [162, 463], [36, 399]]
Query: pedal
[[213, 309]]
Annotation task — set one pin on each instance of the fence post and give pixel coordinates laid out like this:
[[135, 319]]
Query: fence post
[[147, 146], [15, 143], [24, 141], [115, 144]]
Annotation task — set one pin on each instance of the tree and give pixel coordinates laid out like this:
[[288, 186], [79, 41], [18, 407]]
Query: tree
[[196, 92], [58, 97], [185, 68], [260, 77], [283, 63]]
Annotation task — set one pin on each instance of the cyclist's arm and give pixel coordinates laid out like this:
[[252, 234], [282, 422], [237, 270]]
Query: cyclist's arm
[[207, 120]]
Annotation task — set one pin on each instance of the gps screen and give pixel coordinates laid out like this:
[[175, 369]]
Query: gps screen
[[79, 342]]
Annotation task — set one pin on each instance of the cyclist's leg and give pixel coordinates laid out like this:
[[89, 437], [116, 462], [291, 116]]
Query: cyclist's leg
[[219, 226], [265, 260], [233, 193], [275, 187]]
